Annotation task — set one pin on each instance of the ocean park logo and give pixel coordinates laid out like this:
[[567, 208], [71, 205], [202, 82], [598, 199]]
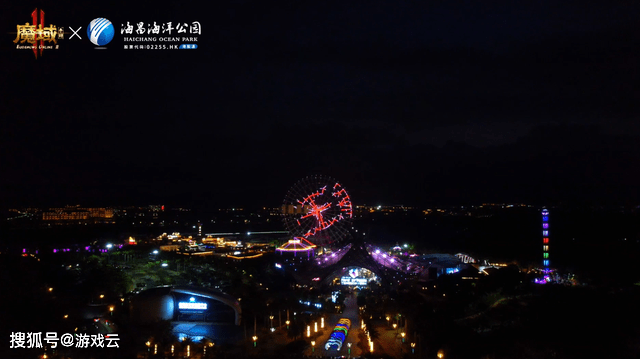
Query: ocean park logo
[[160, 36], [100, 31]]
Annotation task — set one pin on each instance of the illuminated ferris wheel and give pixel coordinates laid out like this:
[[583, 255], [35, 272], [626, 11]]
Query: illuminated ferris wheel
[[319, 209]]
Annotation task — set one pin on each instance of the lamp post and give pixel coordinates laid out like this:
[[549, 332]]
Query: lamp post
[[440, 354], [255, 341], [349, 349], [388, 320], [111, 309], [109, 246], [395, 326], [313, 346], [287, 323], [402, 334], [271, 321], [413, 348], [204, 351]]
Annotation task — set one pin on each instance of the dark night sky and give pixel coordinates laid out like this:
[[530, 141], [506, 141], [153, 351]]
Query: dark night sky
[[404, 102]]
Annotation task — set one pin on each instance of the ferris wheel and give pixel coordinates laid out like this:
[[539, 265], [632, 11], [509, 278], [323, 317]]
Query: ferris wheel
[[319, 209]]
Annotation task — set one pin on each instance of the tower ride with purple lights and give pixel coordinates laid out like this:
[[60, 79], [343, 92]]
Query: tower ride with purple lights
[[545, 240]]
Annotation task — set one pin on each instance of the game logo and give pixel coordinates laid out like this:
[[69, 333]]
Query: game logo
[[34, 36]]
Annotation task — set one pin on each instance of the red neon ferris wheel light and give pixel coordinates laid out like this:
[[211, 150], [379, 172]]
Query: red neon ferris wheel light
[[317, 206]]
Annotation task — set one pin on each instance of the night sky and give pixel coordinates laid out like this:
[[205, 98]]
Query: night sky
[[430, 102]]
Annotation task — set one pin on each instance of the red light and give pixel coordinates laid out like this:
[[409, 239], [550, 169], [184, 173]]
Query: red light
[[545, 240], [317, 210]]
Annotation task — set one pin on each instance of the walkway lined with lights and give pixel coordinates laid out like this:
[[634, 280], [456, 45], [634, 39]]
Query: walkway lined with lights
[[351, 312]]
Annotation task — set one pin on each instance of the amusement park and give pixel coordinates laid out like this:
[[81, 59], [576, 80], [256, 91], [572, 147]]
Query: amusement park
[[320, 179], [323, 286], [322, 289]]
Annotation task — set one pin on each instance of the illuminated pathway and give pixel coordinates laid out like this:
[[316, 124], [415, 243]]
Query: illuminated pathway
[[351, 312]]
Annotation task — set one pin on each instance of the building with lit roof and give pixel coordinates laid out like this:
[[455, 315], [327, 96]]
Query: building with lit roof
[[196, 313]]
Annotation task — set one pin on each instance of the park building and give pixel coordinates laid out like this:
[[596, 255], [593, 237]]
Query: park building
[[196, 313]]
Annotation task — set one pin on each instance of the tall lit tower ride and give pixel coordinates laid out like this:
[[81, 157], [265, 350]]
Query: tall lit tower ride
[[545, 240]]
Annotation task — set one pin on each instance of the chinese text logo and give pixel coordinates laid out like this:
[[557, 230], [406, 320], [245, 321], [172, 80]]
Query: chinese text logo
[[34, 340]]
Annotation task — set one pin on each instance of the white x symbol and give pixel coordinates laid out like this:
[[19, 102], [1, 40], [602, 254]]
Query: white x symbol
[[75, 33]]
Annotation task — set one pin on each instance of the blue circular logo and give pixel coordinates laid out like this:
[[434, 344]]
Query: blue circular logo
[[100, 31]]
